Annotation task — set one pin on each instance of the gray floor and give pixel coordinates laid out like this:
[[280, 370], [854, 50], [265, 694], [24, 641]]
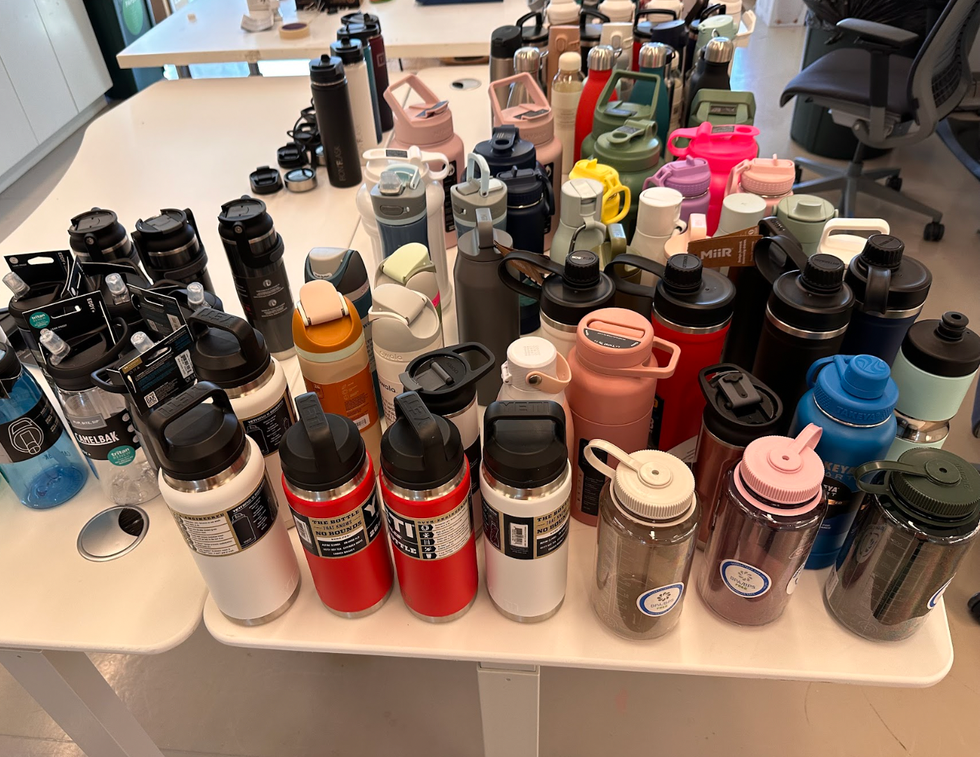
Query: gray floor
[[206, 699]]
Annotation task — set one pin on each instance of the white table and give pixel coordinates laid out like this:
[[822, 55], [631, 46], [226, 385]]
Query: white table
[[805, 644], [167, 146], [410, 30]]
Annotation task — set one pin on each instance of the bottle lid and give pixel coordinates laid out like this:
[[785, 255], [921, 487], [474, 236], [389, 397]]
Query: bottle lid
[[536, 34], [690, 176], [446, 379], [426, 121], [651, 484], [633, 147], [738, 407], [525, 186], [349, 50], [857, 389], [524, 442], [98, 235], [73, 373], [582, 288], [327, 69], [944, 347], [227, 351], [654, 55], [659, 211], [741, 210], [602, 58], [784, 471], [324, 320], [403, 320], [882, 278], [570, 62], [806, 209], [718, 50], [614, 338], [505, 149], [693, 296], [526, 356], [581, 199], [527, 59], [171, 230], [769, 177], [420, 450], [815, 300], [341, 266], [323, 450], [246, 229], [196, 439], [265, 180], [505, 41]]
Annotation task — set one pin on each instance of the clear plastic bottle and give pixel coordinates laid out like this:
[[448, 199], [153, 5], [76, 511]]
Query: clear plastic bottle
[[566, 90]]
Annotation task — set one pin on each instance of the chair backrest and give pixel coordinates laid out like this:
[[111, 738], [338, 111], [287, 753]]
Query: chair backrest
[[940, 73]]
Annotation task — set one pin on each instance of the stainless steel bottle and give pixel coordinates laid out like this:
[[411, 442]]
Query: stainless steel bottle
[[170, 247]]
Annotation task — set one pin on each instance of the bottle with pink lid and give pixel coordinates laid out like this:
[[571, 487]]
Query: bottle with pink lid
[[771, 508], [428, 125], [691, 177], [611, 393], [771, 179]]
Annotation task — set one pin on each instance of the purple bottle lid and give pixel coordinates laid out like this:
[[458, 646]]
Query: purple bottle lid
[[690, 176]]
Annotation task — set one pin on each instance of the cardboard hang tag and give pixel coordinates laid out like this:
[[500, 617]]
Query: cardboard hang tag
[[73, 319], [160, 374], [161, 312], [732, 250], [57, 267]]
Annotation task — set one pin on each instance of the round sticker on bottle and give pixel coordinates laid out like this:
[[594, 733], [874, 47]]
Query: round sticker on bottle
[[657, 602], [39, 320], [934, 599], [743, 579]]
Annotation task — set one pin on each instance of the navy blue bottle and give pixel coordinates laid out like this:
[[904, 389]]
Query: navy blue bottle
[[852, 398], [37, 456]]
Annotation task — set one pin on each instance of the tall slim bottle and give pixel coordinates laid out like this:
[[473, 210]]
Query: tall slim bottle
[[351, 52], [566, 91], [601, 60], [335, 120]]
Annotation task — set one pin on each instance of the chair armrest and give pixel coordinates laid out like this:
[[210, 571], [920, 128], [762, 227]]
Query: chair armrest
[[871, 31]]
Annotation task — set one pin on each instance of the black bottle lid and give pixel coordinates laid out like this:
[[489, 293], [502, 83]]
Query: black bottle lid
[[88, 354], [739, 408], [569, 292], [882, 278], [361, 23], [327, 69], [524, 442], [525, 186], [350, 50], [246, 228], [195, 439], [505, 149], [420, 450], [98, 235], [505, 41], [265, 180], [944, 347], [815, 300], [536, 35], [169, 230], [227, 350], [446, 379], [348, 274], [322, 451], [292, 155]]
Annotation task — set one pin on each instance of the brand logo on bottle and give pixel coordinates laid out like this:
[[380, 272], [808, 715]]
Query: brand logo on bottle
[[39, 320], [122, 455], [743, 579], [660, 601], [934, 599], [26, 436]]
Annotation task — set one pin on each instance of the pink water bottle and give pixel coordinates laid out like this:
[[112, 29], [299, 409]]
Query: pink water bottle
[[536, 123], [771, 179], [691, 177], [611, 394], [724, 147], [428, 125]]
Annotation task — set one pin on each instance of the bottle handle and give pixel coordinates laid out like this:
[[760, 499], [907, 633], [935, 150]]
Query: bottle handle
[[734, 175], [875, 225], [712, 10], [552, 384], [819, 365], [806, 439], [876, 291], [653, 12], [208, 318], [610, 449], [409, 405], [537, 410], [477, 168], [529, 259], [588, 225], [617, 240], [530, 85], [884, 465], [629, 287], [314, 421], [665, 371], [416, 85], [624, 205], [182, 404], [587, 13]]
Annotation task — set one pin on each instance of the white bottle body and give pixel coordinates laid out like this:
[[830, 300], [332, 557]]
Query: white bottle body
[[361, 107], [559, 334], [392, 362], [564, 106], [370, 223], [250, 585], [435, 202]]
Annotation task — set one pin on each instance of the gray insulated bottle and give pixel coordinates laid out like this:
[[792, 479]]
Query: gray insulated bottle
[[486, 310]]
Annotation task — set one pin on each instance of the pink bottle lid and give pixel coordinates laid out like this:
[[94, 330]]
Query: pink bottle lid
[[769, 177], [724, 142], [690, 176], [614, 338], [784, 471], [424, 124], [534, 120]]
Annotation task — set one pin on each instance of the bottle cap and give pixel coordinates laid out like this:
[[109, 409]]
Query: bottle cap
[[162, 234], [570, 62], [327, 69], [527, 60], [806, 209], [693, 296], [195, 295], [654, 55], [614, 338], [524, 442], [883, 278], [324, 320], [580, 199], [633, 146], [445, 379], [16, 284], [529, 355], [97, 235], [420, 450], [73, 373], [659, 211], [690, 176], [403, 320], [739, 211], [815, 300], [944, 347], [602, 58], [718, 50], [341, 266], [426, 121], [323, 450], [769, 177], [349, 50], [505, 41], [738, 407], [651, 484], [227, 351], [857, 389], [782, 470], [525, 186]]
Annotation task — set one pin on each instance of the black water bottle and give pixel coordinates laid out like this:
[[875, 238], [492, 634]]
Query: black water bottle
[[335, 120], [171, 249]]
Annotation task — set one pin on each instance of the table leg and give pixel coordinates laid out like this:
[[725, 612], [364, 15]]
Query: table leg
[[73, 692], [509, 706]]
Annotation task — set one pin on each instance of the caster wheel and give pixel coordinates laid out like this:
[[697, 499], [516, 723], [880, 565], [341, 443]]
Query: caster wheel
[[799, 174], [933, 231], [894, 182]]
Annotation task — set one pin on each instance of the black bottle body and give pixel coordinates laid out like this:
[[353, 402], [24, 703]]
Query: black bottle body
[[335, 121]]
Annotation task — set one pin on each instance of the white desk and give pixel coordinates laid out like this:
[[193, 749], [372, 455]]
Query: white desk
[[805, 644], [410, 30]]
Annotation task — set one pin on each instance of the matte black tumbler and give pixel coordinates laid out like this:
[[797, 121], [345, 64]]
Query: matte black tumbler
[[335, 120], [255, 253]]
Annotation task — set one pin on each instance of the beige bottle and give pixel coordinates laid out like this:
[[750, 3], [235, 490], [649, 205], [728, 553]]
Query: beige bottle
[[333, 357]]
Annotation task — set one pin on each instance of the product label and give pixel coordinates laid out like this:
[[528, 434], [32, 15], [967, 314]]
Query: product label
[[342, 536], [270, 427], [743, 579], [795, 580], [353, 397], [161, 313], [656, 423], [30, 435], [934, 599], [228, 532], [842, 503], [718, 109], [590, 481], [264, 297], [389, 390], [431, 538], [729, 250], [448, 183], [112, 438], [474, 456], [657, 602], [869, 541], [525, 538], [163, 372], [613, 341], [564, 106]]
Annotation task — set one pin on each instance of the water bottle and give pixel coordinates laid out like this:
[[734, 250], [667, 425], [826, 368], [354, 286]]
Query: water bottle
[[400, 209], [506, 150], [479, 189], [328, 478], [611, 115], [170, 247], [366, 27], [656, 58], [711, 71], [505, 41], [566, 91], [335, 120], [580, 219], [852, 398], [599, 63], [805, 216], [611, 394], [411, 268], [353, 53], [658, 218], [213, 479], [889, 291], [933, 370], [633, 149], [526, 481], [530, 206], [765, 524], [97, 236], [39, 460], [590, 35], [425, 485]]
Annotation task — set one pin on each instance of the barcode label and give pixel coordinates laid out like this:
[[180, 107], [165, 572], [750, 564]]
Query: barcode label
[[302, 530], [518, 535], [184, 364], [175, 322], [363, 422], [151, 399]]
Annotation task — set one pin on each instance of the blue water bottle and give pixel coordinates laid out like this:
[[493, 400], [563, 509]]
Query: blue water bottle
[[37, 456], [852, 398]]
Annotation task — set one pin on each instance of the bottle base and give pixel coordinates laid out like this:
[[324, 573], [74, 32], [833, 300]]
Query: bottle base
[[269, 617], [444, 618], [365, 612], [525, 618], [54, 487]]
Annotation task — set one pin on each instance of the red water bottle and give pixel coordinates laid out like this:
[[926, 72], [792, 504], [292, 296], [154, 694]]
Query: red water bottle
[[601, 60], [329, 482], [425, 484]]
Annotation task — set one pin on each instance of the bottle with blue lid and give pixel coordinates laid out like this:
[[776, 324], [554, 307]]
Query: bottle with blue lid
[[852, 398]]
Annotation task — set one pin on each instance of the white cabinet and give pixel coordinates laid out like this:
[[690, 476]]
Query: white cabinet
[[76, 48], [17, 138]]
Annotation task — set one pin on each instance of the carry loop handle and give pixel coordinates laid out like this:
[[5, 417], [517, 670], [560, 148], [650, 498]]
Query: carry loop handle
[[552, 384], [712, 10], [536, 410], [888, 466], [629, 287], [409, 405], [532, 260], [589, 224], [876, 291], [208, 318], [622, 73], [477, 169], [585, 14], [416, 85], [610, 449], [182, 404], [539, 100], [315, 424], [778, 251], [819, 365]]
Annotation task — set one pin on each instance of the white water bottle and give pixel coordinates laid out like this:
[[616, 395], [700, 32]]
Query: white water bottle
[[566, 91], [351, 52]]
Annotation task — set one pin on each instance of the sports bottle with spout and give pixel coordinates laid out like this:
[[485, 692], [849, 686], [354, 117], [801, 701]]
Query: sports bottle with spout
[[234, 357], [910, 537], [352, 54], [404, 324], [806, 317], [805, 216], [579, 226], [600, 65], [889, 291], [411, 268], [711, 72], [852, 398], [656, 58], [487, 311], [616, 197], [611, 115], [724, 147], [566, 91], [425, 484], [648, 521], [634, 151], [213, 479], [333, 357], [428, 125], [399, 201], [506, 150], [525, 480], [478, 189], [658, 218], [738, 410], [611, 394], [566, 295], [446, 381], [335, 120], [770, 179], [770, 511], [329, 482], [933, 370]]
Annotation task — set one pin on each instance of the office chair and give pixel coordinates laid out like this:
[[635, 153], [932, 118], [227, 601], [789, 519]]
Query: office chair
[[888, 100]]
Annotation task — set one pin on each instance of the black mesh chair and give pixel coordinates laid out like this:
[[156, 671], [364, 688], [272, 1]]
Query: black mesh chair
[[888, 100]]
